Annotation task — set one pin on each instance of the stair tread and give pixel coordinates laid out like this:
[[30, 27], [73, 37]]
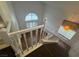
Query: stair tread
[[51, 39]]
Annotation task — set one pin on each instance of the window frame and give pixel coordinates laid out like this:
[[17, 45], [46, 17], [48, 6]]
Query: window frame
[[30, 21], [31, 12]]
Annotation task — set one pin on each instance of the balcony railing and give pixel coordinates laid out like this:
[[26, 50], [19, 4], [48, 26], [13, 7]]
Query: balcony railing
[[27, 40]]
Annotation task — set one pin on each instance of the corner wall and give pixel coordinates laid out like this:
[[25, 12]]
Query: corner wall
[[54, 18]]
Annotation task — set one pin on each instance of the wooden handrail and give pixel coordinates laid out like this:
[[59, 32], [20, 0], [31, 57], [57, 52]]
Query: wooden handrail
[[22, 41], [26, 30]]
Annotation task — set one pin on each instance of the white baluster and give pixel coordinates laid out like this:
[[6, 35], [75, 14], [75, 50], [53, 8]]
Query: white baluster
[[37, 36], [41, 34], [31, 40], [25, 41]]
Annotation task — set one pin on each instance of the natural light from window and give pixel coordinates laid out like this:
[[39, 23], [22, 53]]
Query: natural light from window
[[31, 19], [66, 33]]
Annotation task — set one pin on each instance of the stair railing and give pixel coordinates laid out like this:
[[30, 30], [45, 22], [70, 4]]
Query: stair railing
[[25, 39]]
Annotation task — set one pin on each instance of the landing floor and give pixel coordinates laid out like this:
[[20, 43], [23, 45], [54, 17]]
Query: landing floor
[[49, 50]]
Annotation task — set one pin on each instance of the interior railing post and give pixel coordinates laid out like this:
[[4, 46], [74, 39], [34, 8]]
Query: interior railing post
[[41, 34], [36, 36], [31, 40], [25, 41]]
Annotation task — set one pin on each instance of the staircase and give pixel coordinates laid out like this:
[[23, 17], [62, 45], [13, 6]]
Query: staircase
[[23, 41], [28, 40]]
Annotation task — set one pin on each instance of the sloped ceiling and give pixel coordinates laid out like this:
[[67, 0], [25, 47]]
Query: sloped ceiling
[[70, 8]]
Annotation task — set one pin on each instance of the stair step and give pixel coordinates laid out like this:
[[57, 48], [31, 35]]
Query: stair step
[[52, 39]]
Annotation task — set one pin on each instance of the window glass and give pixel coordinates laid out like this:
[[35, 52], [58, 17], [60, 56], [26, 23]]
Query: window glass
[[31, 19], [66, 33], [31, 16]]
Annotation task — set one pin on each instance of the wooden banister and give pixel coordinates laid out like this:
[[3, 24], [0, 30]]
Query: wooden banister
[[20, 37], [26, 30]]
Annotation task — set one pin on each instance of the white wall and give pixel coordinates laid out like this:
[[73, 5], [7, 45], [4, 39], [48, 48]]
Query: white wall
[[22, 8], [54, 18], [8, 15], [14, 22], [4, 12]]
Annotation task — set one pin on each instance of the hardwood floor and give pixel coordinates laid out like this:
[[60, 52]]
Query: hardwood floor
[[49, 50], [58, 49], [7, 52]]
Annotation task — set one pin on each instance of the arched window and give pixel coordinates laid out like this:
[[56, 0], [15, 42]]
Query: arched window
[[31, 19]]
